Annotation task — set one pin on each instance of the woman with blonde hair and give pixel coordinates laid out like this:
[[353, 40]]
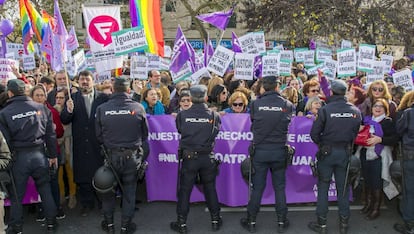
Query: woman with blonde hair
[[216, 80], [291, 94], [378, 89], [237, 103]]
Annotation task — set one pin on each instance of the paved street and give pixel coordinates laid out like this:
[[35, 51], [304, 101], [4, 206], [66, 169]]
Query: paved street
[[154, 217]]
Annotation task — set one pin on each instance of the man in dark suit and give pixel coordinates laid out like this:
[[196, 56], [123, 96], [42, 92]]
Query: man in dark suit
[[80, 111]]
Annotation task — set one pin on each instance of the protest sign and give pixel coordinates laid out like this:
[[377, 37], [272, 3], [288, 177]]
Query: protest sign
[[270, 65], [346, 44], [165, 63], [346, 62], [139, 67], [183, 74], [388, 59], [286, 55], [195, 77], [299, 54], [404, 78], [322, 54], [102, 76], [221, 59], [129, 40], [154, 61], [6, 71], [285, 67], [248, 44], [259, 38], [377, 72], [332, 66], [309, 58], [366, 54], [243, 66], [29, 62]]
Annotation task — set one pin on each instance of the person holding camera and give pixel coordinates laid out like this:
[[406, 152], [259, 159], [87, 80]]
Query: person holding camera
[[270, 115], [29, 132], [198, 127], [337, 116], [121, 126]]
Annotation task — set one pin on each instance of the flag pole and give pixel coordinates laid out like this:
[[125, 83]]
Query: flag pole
[[67, 77], [221, 38]]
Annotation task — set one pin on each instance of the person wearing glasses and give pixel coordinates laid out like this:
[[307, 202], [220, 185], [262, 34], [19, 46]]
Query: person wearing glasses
[[238, 103], [311, 88], [184, 102], [378, 89]]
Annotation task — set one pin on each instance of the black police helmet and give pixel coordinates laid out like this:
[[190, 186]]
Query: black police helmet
[[16, 86], [104, 180]]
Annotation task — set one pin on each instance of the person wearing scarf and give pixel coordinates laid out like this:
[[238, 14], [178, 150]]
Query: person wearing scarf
[[151, 102], [376, 158]]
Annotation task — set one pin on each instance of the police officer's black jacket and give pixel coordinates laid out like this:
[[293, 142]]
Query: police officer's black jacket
[[405, 128], [198, 127], [27, 124], [337, 122], [121, 122], [270, 115]]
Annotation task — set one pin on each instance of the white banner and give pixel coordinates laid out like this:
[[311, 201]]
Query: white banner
[[285, 67], [286, 55], [154, 61], [195, 77], [102, 76], [299, 54], [322, 54], [366, 54], [404, 79], [346, 62], [332, 66], [139, 67], [129, 40], [309, 58], [243, 66], [270, 64], [6, 71], [101, 22], [220, 60], [388, 59]]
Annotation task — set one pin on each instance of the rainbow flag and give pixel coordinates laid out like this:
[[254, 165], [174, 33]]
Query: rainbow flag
[[118, 72], [27, 30], [49, 19], [146, 13], [36, 20]]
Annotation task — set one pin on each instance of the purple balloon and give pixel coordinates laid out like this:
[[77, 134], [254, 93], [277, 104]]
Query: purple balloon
[[6, 27]]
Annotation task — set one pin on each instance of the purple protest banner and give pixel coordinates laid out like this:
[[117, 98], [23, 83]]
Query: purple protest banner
[[231, 148], [31, 195]]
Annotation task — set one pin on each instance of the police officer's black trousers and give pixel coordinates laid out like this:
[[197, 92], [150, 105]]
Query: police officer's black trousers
[[31, 163], [206, 168], [408, 196], [124, 163], [273, 158]]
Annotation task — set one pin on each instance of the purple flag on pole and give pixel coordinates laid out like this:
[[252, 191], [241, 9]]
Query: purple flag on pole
[[180, 54], [72, 41], [217, 19], [46, 45], [58, 48], [60, 28], [258, 66], [208, 51], [235, 43]]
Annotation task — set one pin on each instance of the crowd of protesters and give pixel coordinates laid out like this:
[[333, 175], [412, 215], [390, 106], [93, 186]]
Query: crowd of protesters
[[77, 146]]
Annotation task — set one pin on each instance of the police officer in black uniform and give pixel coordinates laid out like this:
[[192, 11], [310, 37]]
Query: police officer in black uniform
[[405, 128], [28, 127], [121, 126], [334, 130], [198, 127], [270, 117]]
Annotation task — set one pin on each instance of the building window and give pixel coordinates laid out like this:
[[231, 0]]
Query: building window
[[232, 21], [170, 6]]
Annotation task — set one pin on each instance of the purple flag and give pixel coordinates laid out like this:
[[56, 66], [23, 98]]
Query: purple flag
[[180, 54], [208, 51], [60, 28], [217, 19], [72, 41], [58, 48], [258, 66], [235, 43], [46, 45]]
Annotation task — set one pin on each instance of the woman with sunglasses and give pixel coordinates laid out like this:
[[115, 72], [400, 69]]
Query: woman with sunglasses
[[184, 102], [377, 156], [218, 98], [238, 103], [311, 88], [378, 89]]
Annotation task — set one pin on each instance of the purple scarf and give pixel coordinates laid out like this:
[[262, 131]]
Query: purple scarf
[[378, 132]]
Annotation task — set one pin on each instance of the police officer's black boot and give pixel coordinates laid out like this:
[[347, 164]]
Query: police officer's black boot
[[249, 223], [407, 228], [319, 226], [108, 224], [216, 222], [343, 224], [51, 225], [282, 224], [14, 229], [180, 225], [127, 226]]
